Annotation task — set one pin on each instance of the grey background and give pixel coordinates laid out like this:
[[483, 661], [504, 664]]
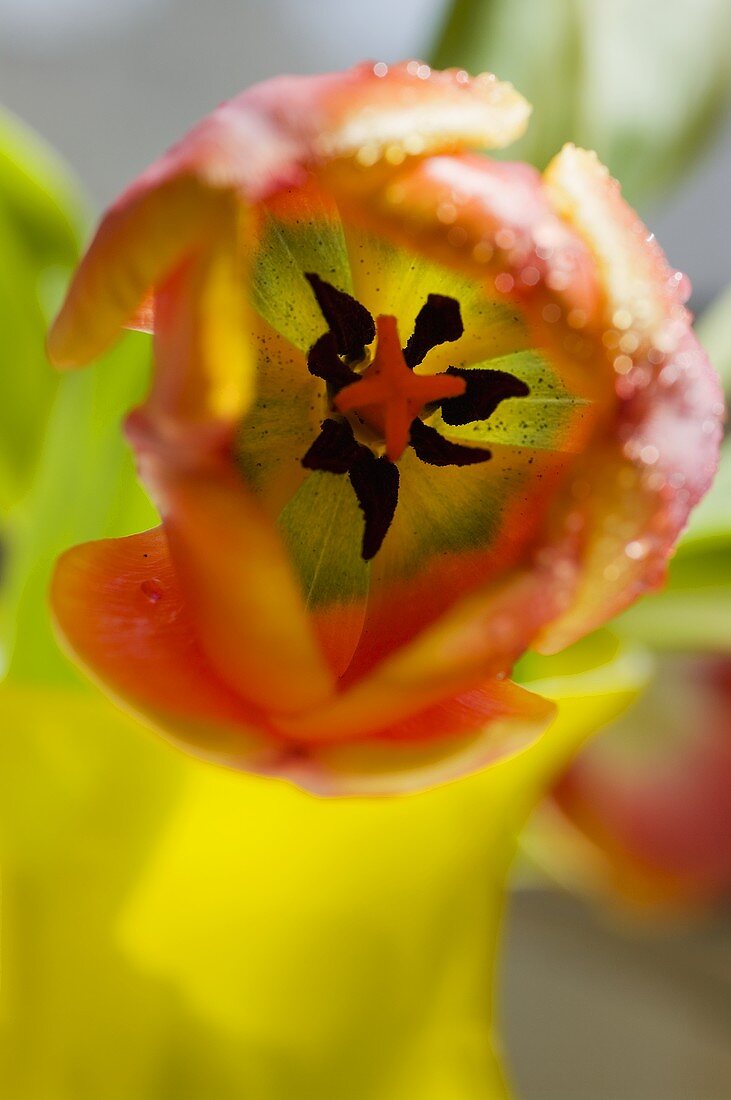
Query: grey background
[[593, 1010]]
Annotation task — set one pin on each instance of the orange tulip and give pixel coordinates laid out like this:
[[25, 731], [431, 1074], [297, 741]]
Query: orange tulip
[[413, 411]]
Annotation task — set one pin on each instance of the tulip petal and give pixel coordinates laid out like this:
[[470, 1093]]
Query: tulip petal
[[282, 422], [322, 528], [120, 611], [248, 610], [489, 221], [455, 530], [444, 742], [478, 638], [248, 149], [650, 794], [640, 486], [374, 111], [396, 280], [548, 417], [633, 271], [298, 232], [145, 233]]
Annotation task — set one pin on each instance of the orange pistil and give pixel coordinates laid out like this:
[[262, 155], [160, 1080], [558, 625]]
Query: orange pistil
[[390, 395]]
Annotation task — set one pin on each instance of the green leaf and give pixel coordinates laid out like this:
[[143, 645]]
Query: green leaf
[[40, 220], [86, 488], [641, 81]]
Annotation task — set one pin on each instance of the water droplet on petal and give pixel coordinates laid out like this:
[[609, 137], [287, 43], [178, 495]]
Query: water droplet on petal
[[152, 589], [636, 550]]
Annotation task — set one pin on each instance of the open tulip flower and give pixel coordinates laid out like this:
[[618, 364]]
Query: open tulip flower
[[413, 411]]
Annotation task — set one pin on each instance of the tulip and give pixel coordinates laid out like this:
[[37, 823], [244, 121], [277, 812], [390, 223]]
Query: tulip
[[413, 412], [648, 798]]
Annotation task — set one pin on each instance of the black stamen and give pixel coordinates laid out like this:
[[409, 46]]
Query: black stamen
[[485, 390], [374, 480], [376, 483], [335, 448], [435, 450], [350, 322], [324, 362], [438, 322]]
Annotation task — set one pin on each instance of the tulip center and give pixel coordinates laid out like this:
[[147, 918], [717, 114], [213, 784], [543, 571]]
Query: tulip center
[[389, 395], [376, 404]]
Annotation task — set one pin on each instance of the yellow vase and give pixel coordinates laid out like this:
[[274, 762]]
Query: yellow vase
[[173, 931]]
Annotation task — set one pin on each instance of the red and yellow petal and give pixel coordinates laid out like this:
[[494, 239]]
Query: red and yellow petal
[[243, 598], [282, 422], [120, 610], [394, 279], [375, 111], [651, 794], [147, 231], [457, 531], [643, 296], [254, 146], [443, 742], [477, 639], [639, 484], [490, 220], [297, 232]]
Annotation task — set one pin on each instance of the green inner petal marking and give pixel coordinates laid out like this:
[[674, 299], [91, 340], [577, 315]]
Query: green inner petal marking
[[282, 423], [280, 292], [550, 418], [442, 510], [391, 280], [322, 527]]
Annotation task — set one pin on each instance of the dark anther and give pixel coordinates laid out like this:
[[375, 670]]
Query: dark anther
[[324, 362], [375, 480], [438, 322], [435, 450], [350, 323], [335, 448], [485, 390]]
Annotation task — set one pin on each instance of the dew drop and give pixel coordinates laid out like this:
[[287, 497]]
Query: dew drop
[[649, 454], [530, 275], [152, 590], [636, 550]]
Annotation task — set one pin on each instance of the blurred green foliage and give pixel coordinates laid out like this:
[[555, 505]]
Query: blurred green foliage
[[643, 82], [40, 227], [66, 474]]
